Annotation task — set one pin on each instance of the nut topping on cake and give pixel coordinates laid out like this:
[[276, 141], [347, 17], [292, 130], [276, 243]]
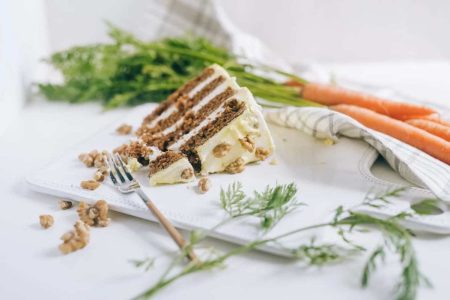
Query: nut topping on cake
[[248, 143], [221, 150], [262, 153], [187, 173], [236, 166]]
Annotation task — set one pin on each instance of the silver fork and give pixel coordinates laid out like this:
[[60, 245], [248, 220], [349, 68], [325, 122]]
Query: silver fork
[[126, 183]]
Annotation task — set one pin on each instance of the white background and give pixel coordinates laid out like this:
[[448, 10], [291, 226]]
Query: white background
[[336, 30]]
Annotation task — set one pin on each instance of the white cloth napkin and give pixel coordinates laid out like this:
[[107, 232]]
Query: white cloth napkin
[[206, 18]]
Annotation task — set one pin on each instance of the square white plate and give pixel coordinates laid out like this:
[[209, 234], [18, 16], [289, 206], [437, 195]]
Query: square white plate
[[326, 177]]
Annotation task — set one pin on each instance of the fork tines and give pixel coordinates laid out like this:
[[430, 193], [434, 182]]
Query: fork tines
[[117, 167]]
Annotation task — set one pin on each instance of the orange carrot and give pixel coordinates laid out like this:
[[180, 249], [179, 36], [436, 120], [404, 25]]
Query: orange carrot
[[436, 119], [432, 127], [331, 95], [430, 117], [411, 117], [428, 143]]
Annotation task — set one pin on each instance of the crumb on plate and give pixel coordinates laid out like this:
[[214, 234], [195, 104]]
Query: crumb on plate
[[124, 129]]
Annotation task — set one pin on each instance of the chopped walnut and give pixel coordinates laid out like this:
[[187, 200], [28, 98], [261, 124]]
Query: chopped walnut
[[94, 215], [64, 204], [187, 173], [86, 159], [99, 161], [236, 166], [93, 158], [204, 184], [101, 174], [221, 150], [89, 184], [124, 129], [261, 153], [75, 239], [46, 221], [248, 143]]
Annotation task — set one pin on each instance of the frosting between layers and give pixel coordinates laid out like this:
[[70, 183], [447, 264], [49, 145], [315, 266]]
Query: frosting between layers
[[173, 173]]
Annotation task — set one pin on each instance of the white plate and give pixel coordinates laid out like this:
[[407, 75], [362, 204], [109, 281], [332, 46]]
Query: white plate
[[326, 176]]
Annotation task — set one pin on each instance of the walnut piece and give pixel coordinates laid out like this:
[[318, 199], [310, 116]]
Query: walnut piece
[[236, 166], [124, 129], [187, 173], [248, 143], [93, 158], [46, 221], [86, 159], [261, 153], [99, 176], [64, 204], [204, 184], [94, 215], [75, 239], [221, 150], [90, 184]]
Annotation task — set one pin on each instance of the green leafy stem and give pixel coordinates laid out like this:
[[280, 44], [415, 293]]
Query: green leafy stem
[[273, 204]]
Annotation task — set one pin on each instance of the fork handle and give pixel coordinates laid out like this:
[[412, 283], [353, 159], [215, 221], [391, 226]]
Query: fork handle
[[171, 230]]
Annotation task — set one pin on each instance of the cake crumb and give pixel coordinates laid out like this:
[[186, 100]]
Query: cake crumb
[[64, 204], [133, 164], [248, 143], [274, 162], [94, 215], [187, 173], [75, 239], [328, 142], [46, 221], [261, 153], [204, 184], [89, 184], [236, 166], [221, 150], [124, 129]]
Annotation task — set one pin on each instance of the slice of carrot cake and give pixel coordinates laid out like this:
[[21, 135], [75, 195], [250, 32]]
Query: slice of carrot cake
[[210, 124]]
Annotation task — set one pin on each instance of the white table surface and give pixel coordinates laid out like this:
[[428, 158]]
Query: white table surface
[[32, 268]]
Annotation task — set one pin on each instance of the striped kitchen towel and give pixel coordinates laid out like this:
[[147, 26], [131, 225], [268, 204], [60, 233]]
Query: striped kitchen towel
[[411, 163]]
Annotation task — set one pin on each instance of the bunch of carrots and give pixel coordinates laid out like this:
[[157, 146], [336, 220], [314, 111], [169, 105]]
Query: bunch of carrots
[[416, 125]]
